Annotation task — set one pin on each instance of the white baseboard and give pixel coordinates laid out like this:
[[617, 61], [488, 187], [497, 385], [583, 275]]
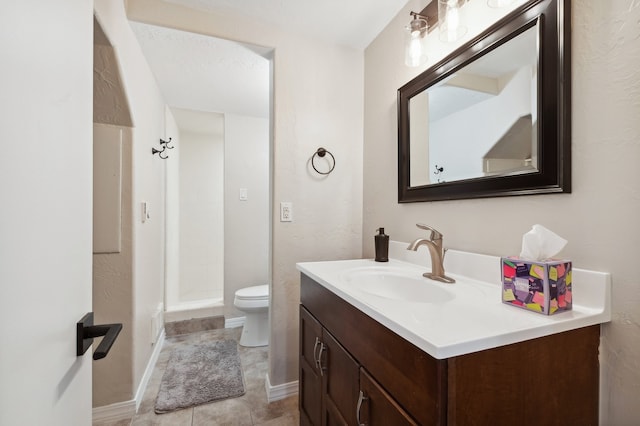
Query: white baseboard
[[278, 392], [234, 322], [149, 370], [128, 409]]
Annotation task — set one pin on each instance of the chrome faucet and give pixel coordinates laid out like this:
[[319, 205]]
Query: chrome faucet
[[434, 244]]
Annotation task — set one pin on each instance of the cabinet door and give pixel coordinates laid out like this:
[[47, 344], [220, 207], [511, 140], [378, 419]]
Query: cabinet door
[[340, 379], [310, 381], [377, 407]]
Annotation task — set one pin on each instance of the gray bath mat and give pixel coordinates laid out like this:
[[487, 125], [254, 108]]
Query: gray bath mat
[[200, 373]]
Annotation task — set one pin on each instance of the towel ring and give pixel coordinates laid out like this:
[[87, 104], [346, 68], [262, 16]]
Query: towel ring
[[321, 152]]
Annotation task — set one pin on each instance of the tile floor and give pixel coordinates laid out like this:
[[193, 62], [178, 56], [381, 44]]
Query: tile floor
[[250, 409]]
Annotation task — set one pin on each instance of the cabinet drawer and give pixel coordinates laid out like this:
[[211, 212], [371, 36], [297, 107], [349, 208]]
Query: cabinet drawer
[[378, 408]]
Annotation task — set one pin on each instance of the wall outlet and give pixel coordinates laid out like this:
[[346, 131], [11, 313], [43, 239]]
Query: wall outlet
[[286, 212]]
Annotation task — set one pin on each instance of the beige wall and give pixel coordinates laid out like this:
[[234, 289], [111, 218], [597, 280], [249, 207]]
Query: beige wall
[[318, 92], [599, 218], [147, 184], [112, 295], [112, 268]]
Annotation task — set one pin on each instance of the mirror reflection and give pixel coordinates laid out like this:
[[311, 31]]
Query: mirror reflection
[[481, 120]]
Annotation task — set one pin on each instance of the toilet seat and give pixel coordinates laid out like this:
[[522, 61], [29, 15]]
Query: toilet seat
[[257, 292], [251, 298]]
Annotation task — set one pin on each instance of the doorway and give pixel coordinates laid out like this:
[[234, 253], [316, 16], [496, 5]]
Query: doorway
[[202, 76]]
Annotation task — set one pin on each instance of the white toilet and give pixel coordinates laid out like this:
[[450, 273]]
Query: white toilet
[[254, 302]]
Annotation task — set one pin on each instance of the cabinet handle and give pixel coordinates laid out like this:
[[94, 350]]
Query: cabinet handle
[[320, 367], [315, 348], [361, 399]]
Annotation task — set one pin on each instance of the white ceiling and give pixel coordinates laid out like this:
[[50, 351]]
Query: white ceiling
[[204, 73], [352, 23]]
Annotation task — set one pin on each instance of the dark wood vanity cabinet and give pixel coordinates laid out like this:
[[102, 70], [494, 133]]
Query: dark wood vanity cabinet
[[352, 366]]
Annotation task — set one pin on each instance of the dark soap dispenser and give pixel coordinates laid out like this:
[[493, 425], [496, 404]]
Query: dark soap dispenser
[[382, 246]]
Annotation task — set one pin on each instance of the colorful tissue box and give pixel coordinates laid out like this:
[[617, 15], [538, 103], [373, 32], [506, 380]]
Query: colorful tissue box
[[543, 287]]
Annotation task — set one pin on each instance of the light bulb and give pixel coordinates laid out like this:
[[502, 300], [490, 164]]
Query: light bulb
[[415, 51], [452, 27], [415, 43], [453, 21], [499, 3]]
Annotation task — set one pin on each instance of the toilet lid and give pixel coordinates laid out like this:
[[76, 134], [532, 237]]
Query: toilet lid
[[255, 292]]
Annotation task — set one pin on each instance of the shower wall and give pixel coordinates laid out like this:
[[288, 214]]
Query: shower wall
[[195, 223], [201, 217]]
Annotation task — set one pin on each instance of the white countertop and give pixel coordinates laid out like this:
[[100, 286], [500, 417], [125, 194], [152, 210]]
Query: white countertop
[[475, 318]]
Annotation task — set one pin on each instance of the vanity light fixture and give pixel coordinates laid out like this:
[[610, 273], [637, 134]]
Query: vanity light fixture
[[452, 28], [415, 49], [450, 22]]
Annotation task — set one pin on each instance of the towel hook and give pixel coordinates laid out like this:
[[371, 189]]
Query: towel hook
[[321, 152], [164, 145], [159, 152]]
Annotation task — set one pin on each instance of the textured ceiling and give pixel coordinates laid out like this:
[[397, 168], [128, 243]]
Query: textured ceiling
[[202, 73], [205, 73], [352, 23]]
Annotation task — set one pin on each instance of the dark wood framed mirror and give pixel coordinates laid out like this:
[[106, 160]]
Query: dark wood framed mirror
[[494, 117]]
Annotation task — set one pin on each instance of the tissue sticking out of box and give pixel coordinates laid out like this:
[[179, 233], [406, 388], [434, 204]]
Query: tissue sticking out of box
[[541, 244]]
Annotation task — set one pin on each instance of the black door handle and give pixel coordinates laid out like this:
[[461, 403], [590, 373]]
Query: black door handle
[[86, 331]]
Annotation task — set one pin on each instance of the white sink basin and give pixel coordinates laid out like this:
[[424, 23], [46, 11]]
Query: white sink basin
[[396, 284]]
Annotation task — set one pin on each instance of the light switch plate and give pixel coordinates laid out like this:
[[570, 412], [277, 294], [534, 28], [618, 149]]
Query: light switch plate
[[145, 211]]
